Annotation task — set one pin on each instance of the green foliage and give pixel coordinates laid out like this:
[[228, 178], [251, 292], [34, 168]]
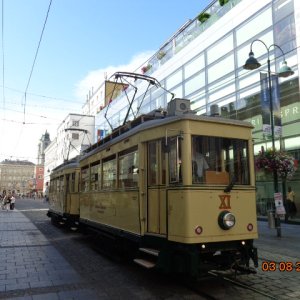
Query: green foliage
[[203, 17], [222, 2]]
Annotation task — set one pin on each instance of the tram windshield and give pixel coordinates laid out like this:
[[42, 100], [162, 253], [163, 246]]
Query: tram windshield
[[218, 160]]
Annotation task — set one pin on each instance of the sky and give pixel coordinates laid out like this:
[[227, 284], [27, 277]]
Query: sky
[[54, 51]]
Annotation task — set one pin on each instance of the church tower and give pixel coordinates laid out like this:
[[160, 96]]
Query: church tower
[[43, 144]]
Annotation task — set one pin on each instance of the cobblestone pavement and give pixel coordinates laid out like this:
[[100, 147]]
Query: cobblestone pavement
[[276, 257], [65, 266], [41, 261]]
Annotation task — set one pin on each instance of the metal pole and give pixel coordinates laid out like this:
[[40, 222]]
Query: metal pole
[[275, 176]]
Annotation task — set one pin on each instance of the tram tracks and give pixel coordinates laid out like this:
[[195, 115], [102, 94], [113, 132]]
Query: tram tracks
[[245, 286], [227, 286], [216, 286]]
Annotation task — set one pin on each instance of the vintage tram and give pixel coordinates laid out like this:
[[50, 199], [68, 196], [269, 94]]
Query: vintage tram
[[64, 194], [175, 189]]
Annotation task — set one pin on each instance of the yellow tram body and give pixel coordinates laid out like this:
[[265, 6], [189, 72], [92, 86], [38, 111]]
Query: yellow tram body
[[149, 183], [187, 213], [64, 195], [115, 209]]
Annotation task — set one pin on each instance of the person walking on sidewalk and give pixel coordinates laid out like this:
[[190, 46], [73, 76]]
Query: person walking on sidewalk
[[12, 202], [7, 200], [291, 209]]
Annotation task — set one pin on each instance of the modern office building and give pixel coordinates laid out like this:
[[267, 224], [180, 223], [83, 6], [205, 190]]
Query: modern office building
[[203, 62]]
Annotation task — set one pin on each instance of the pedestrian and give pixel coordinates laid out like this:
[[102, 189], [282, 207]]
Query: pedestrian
[[3, 202], [47, 192], [12, 202], [291, 208], [7, 202]]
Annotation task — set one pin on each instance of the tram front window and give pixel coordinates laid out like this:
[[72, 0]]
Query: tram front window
[[217, 160]]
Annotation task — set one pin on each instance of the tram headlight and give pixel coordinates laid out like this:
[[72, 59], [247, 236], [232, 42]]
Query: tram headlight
[[226, 220]]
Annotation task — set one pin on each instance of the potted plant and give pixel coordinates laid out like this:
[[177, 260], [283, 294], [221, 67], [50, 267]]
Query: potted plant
[[146, 68], [271, 160], [161, 54], [203, 17], [223, 2]]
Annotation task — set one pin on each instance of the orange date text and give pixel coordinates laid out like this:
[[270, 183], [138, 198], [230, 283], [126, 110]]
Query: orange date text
[[282, 266]]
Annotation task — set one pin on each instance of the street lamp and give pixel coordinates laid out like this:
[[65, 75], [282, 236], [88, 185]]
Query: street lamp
[[284, 71]]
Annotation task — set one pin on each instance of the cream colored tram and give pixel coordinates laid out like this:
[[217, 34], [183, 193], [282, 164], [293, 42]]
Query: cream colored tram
[[179, 187], [64, 194]]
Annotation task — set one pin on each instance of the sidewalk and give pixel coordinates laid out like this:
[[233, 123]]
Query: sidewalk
[[30, 267], [286, 247], [294, 221]]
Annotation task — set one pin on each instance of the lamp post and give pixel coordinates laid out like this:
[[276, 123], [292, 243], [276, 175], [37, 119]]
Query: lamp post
[[285, 71]]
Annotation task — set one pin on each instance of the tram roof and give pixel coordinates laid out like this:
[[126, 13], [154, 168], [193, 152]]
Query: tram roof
[[68, 164], [148, 121]]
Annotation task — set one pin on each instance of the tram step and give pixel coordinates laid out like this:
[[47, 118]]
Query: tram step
[[144, 263], [153, 252]]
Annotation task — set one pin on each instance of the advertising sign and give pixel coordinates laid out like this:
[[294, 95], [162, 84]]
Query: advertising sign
[[280, 210]]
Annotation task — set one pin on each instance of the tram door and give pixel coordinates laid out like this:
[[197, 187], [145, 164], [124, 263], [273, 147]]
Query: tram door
[[156, 181]]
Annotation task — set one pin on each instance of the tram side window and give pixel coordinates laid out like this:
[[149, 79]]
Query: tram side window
[[128, 168], [72, 183], [200, 158], [95, 176], [85, 179], [217, 160], [61, 184], [110, 173], [175, 160], [52, 188], [152, 164], [55, 186], [68, 183]]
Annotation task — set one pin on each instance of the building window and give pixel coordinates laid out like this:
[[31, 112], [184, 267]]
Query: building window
[[193, 84], [174, 79], [75, 123], [256, 25], [75, 136], [214, 53], [221, 68], [194, 66]]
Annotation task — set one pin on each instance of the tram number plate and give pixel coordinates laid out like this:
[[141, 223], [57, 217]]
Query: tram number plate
[[225, 202]]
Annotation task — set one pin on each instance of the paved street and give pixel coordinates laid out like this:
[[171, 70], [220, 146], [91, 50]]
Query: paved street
[[41, 261]]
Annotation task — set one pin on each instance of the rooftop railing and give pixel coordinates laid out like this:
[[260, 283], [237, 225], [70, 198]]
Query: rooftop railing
[[186, 34]]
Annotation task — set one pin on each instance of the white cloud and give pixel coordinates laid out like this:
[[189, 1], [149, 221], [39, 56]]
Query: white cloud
[[95, 78]]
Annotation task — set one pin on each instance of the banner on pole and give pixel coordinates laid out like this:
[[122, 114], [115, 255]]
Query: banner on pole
[[265, 104], [276, 105]]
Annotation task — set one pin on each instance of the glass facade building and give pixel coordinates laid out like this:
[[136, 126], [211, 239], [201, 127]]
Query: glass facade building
[[203, 62]]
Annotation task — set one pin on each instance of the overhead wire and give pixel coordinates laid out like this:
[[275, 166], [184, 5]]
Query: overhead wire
[[43, 96], [3, 61], [30, 75], [3, 64], [34, 61]]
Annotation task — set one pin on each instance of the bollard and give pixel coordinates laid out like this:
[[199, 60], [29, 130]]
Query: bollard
[[271, 219]]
